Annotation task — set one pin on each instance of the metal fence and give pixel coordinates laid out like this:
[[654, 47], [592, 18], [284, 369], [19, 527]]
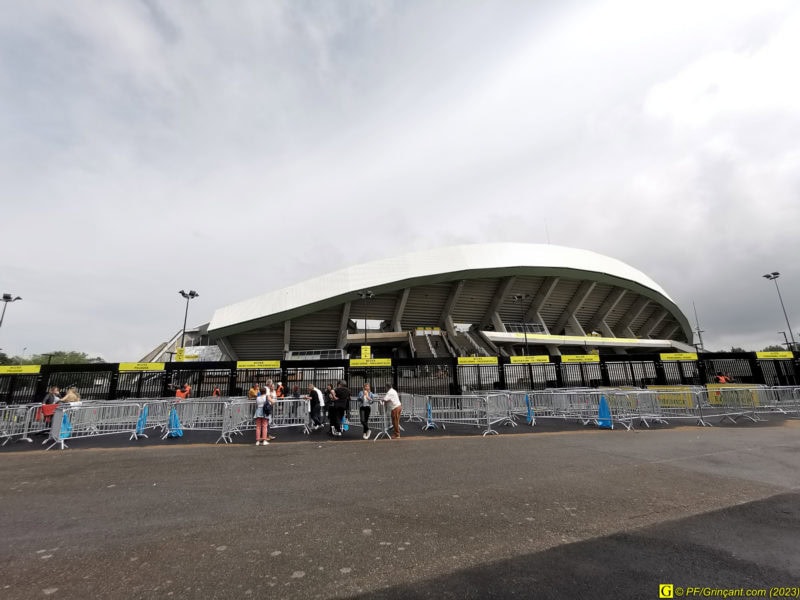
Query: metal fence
[[428, 376]]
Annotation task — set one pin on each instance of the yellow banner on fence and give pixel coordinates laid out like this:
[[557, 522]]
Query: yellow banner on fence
[[675, 356], [20, 369], [370, 362], [258, 364], [141, 367], [366, 352], [580, 358], [673, 396], [477, 360], [732, 394], [529, 360], [775, 355]]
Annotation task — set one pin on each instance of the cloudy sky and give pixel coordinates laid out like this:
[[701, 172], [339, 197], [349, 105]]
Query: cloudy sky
[[238, 147]]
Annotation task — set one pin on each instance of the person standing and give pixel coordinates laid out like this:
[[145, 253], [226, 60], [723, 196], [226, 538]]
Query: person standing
[[365, 400], [263, 409], [329, 398], [392, 402], [341, 401], [271, 398], [316, 402]]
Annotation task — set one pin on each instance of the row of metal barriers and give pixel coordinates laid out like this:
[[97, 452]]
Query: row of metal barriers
[[233, 417], [627, 408]]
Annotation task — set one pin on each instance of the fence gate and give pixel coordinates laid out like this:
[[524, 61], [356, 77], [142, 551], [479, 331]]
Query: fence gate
[[778, 372], [478, 377], [681, 373], [92, 385], [432, 378], [535, 376], [581, 375], [631, 373]]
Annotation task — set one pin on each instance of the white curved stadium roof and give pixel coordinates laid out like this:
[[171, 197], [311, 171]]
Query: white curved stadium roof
[[408, 269]]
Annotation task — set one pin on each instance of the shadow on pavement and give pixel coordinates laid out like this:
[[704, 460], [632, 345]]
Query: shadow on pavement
[[753, 545]]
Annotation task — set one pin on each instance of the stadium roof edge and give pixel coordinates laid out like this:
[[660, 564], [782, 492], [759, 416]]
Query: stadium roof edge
[[433, 266]]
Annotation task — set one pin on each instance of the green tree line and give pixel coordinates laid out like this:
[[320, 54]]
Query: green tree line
[[57, 357]]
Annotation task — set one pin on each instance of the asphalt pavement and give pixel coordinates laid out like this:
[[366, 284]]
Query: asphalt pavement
[[545, 513]]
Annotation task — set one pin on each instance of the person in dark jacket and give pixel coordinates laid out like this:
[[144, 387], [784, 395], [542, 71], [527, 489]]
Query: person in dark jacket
[[341, 400]]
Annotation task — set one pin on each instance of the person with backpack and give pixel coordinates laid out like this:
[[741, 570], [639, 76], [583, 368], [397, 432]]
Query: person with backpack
[[341, 400], [263, 411]]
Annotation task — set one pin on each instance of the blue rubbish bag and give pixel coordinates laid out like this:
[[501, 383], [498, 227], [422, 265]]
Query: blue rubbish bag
[[175, 429], [531, 417], [66, 427], [345, 424], [604, 415], [141, 424]]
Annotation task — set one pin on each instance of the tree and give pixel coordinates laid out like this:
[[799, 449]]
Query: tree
[[5, 359], [58, 357], [738, 349], [773, 348]]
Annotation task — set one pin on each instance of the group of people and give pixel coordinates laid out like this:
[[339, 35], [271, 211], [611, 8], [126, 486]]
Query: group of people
[[335, 400], [53, 398]]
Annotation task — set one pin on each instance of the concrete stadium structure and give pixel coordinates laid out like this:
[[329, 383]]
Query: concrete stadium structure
[[472, 300]]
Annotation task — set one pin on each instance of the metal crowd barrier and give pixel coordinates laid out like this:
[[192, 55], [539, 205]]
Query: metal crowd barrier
[[414, 407], [290, 412], [196, 415], [15, 421], [90, 420], [474, 411], [783, 399]]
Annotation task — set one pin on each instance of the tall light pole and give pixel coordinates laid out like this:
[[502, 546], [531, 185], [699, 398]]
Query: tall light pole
[[785, 339], [365, 296], [519, 299], [6, 299], [188, 295], [774, 277]]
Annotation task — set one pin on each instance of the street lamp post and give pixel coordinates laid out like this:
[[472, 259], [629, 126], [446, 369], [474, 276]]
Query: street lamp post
[[519, 299], [365, 296], [785, 339], [6, 299], [188, 295], [774, 277]]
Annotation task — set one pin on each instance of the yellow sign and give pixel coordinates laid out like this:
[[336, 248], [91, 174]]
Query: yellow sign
[[366, 352], [669, 356], [528, 360], [370, 362], [180, 353], [258, 364], [477, 360], [145, 366], [580, 358], [20, 369], [191, 356], [778, 355]]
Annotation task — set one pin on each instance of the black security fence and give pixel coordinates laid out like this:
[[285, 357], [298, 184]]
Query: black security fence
[[430, 376]]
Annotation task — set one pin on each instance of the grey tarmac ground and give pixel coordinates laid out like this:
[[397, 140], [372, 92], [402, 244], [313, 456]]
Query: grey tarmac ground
[[548, 513]]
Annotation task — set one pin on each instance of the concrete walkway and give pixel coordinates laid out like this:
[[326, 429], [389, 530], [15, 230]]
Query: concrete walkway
[[552, 515]]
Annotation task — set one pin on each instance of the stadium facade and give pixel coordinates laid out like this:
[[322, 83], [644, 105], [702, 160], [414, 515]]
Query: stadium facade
[[472, 300]]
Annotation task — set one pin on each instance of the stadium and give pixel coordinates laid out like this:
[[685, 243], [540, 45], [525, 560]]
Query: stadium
[[471, 300]]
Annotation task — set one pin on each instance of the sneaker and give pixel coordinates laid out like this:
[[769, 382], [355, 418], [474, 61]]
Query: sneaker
[[270, 437], [265, 443], [366, 435], [258, 443], [337, 433]]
